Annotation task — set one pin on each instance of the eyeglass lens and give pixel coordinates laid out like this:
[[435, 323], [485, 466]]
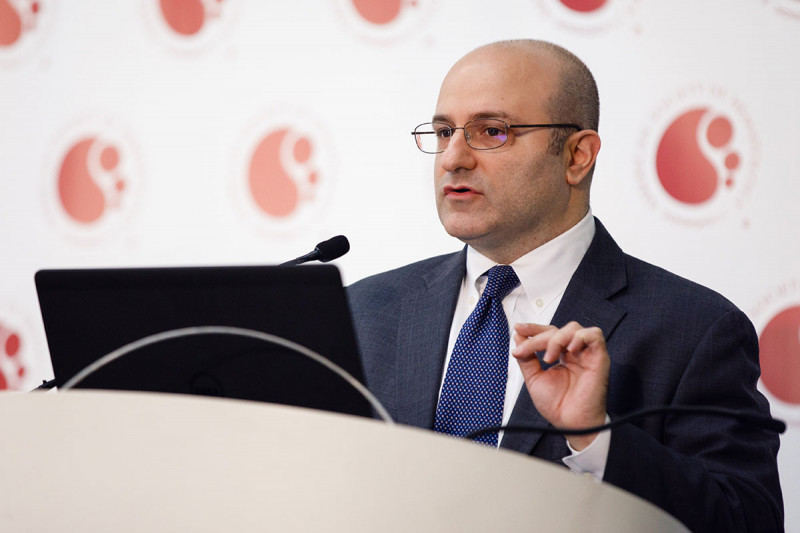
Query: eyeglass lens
[[481, 134]]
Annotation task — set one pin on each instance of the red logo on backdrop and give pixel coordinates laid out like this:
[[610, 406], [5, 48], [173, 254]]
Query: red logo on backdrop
[[386, 20], [24, 27], [584, 6], [190, 25], [698, 159], [89, 180], [591, 15], [93, 178], [695, 156], [16, 17], [380, 11], [282, 173], [287, 167], [777, 316], [12, 368], [188, 17], [780, 355]]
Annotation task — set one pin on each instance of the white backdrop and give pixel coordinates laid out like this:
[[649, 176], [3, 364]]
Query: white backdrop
[[189, 132]]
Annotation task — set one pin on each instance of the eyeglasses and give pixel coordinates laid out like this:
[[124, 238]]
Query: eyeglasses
[[480, 134]]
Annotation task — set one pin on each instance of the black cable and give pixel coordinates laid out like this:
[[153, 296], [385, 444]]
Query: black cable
[[765, 422]]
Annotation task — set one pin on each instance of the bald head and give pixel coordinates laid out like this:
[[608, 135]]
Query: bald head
[[574, 97]]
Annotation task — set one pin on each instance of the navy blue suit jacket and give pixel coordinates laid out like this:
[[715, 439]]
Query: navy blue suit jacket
[[671, 342]]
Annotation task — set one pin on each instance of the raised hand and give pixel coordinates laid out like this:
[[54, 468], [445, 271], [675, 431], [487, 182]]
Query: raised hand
[[571, 394]]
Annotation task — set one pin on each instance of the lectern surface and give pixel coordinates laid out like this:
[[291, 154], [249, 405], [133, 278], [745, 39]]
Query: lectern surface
[[120, 461]]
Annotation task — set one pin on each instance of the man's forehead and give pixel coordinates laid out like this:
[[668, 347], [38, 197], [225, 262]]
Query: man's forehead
[[511, 60], [496, 83], [497, 113]]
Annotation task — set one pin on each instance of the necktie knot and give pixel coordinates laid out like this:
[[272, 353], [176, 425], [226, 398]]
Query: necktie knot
[[502, 280]]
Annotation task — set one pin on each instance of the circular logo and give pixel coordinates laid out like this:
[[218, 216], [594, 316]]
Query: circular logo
[[780, 355], [23, 26], [286, 171], [92, 179], [698, 159], [16, 18], [585, 6], [191, 25], [777, 316], [385, 20], [590, 15]]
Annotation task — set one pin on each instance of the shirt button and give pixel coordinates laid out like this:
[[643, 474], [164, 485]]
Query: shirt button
[[539, 302]]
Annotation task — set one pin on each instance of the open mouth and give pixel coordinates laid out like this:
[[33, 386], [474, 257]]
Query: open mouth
[[457, 190]]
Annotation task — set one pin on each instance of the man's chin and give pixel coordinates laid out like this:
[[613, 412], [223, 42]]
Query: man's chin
[[463, 224], [467, 235]]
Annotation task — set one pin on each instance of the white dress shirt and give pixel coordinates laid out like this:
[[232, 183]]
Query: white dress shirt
[[544, 274]]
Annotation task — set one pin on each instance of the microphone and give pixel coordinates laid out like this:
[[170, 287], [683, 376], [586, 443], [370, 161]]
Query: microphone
[[325, 251]]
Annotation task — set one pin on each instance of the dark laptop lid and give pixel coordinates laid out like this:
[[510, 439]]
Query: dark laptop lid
[[89, 313]]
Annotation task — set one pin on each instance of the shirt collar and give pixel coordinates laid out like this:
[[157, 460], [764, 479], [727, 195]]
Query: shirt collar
[[544, 272]]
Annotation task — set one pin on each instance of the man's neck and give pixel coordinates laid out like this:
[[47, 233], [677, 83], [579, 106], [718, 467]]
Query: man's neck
[[506, 252]]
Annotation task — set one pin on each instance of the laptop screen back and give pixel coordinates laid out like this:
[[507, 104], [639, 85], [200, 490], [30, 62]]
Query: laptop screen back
[[89, 313]]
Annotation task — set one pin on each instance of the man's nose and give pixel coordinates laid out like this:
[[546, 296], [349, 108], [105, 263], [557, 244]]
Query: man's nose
[[458, 154]]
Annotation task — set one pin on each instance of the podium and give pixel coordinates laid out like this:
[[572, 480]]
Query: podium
[[96, 461]]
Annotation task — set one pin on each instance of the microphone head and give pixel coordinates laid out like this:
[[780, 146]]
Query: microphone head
[[333, 248]]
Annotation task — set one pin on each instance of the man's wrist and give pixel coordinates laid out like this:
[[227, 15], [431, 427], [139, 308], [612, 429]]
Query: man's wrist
[[579, 442], [591, 459]]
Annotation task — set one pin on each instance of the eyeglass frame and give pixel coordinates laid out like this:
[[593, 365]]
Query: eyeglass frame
[[508, 126]]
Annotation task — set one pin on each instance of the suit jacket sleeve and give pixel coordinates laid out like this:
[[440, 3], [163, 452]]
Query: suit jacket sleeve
[[714, 474]]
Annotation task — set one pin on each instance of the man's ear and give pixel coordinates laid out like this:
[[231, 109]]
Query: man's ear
[[581, 152]]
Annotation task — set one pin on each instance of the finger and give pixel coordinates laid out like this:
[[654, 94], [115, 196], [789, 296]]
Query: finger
[[559, 341], [527, 346], [588, 349], [586, 338], [528, 329], [524, 347], [529, 366]]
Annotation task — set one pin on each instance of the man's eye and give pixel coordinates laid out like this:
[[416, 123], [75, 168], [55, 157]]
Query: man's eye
[[493, 132], [444, 133]]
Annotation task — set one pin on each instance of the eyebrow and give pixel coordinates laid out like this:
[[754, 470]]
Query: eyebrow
[[484, 114]]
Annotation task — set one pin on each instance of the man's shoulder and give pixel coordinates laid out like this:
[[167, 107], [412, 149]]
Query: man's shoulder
[[385, 290], [666, 288], [411, 274], [641, 279]]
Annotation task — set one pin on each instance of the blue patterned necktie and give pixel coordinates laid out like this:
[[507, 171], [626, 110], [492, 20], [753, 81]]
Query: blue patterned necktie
[[475, 384]]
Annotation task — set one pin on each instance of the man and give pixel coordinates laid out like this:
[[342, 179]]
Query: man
[[515, 142]]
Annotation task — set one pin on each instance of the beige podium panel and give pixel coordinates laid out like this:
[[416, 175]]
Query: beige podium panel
[[115, 461]]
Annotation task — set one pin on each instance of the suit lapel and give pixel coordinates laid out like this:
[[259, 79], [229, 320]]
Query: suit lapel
[[600, 275], [425, 318]]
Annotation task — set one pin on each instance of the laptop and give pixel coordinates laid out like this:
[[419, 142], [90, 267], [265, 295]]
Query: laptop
[[89, 313]]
